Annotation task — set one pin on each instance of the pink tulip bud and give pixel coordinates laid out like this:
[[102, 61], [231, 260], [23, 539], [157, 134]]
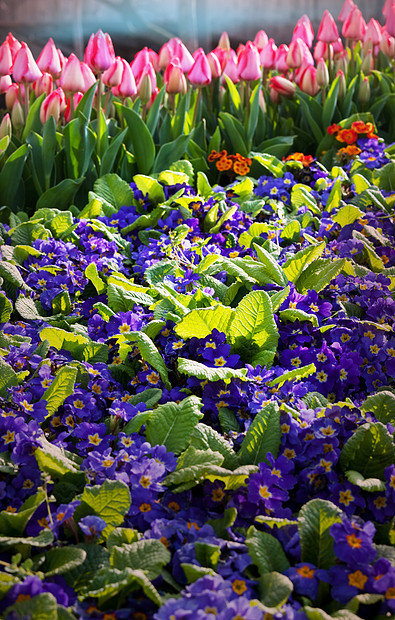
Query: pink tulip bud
[[222, 56], [154, 57], [72, 79], [249, 63], [99, 53], [281, 58], [14, 44], [113, 75], [17, 115], [322, 75], [224, 41], [347, 7], [231, 67], [327, 32], [166, 53], [127, 86], [280, 85], [337, 46], [262, 102], [62, 58], [53, 105], [5, 59], [141, 59], [373, 32], [304, 30], [387, 45], [11, 95], [322, 50], [387, 6], [175, 48], [25, 69], [87, 74], [342, 62], [200, 72], [43, 85], [174, 78], [294, 57], [354, 26], [49, 61], [215, 65], [261, 39], [76, 99], [5, 82], [390, 23], [308, 81], [6, 126], [268, 55]]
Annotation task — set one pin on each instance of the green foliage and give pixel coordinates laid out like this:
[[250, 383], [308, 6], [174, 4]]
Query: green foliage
[[263, 436], [266, 552], [315, 519], [171, 424], [110, 501], [369, 450]]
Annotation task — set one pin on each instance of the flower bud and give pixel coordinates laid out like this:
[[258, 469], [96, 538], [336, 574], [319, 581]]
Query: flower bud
[[113, 75], [5, 58], [347, 7], [53, 105], [364, 91], [5, 82], [49, 60], [5, 126], [224, 41], [342, 85], [43, 85], [76, 99], [367, 63], [144, 87], [282, 86], [25, 69], [322, 74], [390, 23], [262, 102], [373, 32], [260, 39], [99, 53], [387, 45], [174, 78], [268, 55], [304, 30], [354, 26], [249, 63], [127, 85], [308, 81], [14, 44], [166, 53], [11, 95], [17, 116], [231, 67], [72, 79], [342, 62], [88, 77], [140, 61], [200, 72], [215, 65], [281, 58], [294, 56], [327, 31]]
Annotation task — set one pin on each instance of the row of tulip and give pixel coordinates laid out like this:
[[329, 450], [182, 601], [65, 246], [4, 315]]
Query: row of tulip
[[259, 97]]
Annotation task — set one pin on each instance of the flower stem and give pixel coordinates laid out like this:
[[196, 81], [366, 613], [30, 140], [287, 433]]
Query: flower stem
[[98, 112]]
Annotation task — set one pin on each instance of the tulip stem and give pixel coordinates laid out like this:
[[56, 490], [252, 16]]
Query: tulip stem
[[27, 96], [98, 112], [195, 111]]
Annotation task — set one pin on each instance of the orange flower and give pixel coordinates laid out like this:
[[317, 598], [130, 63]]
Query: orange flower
[[216, 155], [333, 129], [359, 127], [241, 167], [306, 160], [349, 136], [223, 164]]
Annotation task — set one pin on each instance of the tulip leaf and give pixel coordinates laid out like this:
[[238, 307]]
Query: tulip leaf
[[11, 177], [141, 142]]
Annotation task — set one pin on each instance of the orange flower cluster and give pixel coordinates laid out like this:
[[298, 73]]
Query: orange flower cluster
[[351, 135], [230, 163], [306, 160]]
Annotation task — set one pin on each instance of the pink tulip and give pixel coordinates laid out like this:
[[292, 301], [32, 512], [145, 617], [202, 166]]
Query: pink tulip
[[99, 53], [87, 74], [215, 65], [294, 56], [49, 61], [53, 105], [43, 85], [337, 46], [166, 54], [231, 67], [281, 58], [308, 81], [387, 6], [5, 59], [5, 82], [280, 85], [174, 78], [184, 56], [12, 95], [327, 32], [373, 32], [146, 85], [342, 61], [390, 23], [222, 56], [141, 59], [249, 63], [14, 44], [127, 86], [268, 55], [113, 75], [76, 99], [347, 7], [354, 26], [260, 39], [387, 45], [322, 75], [224, 41], [25, 69], [304, 30], [200, 72], [72, 79]]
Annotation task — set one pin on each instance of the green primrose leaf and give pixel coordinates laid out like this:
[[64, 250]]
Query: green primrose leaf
[[315, 519], [266, 551], [171, 424], [369, 451], [263, 436]]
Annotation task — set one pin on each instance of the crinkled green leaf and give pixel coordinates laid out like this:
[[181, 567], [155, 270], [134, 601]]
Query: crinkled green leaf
[[147, 554], [302, 259], [92, 274], [200, 322], [62, 559], [295, 314], [293, 375], [319, 274], [204, 437], [315, 519], [61, 387], [149, 353], [369, 451], [40, 607], [382, 405], [370, 485], [272, 268], [208, 373], [110, 501], [274, 590], [171, 424], [263, 436], [266, 551]]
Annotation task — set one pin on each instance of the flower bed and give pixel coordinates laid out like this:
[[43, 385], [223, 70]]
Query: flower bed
[[198, 355]]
